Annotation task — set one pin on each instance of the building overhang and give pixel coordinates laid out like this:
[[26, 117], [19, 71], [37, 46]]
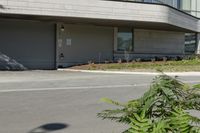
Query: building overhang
[[97, 22], [98, 12]]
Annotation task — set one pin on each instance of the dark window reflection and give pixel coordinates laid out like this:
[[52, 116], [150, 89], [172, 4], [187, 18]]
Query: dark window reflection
[[190, 43], [125, 39]]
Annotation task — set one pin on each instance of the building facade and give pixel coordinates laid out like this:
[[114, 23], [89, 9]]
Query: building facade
[[191, 7], [41, 34]]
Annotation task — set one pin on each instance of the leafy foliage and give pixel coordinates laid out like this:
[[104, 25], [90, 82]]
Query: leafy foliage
[[162, 109], [139, 123]]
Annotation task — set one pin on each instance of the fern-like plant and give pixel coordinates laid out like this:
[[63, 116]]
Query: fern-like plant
[[162, 109]]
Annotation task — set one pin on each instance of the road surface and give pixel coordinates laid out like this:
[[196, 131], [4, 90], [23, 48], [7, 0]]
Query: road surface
[[65, 102]]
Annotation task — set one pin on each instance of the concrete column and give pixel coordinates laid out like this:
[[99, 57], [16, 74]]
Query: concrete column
[[115, 38], [198, 44], [60, 36]]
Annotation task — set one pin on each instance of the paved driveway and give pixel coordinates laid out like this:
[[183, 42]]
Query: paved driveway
[[44, 101]]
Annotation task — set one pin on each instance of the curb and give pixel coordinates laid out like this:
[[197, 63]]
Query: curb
[[133, 73]]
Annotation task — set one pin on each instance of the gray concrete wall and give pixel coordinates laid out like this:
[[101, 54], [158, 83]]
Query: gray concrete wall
[[157, 42], [100, 9], [154, 43], [82, 43], [29, 43]]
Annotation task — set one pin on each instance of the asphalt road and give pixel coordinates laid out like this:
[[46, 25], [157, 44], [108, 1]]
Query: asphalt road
[[65, 102]]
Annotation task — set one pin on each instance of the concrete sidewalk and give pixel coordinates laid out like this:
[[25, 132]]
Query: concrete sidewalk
[[134, 73]]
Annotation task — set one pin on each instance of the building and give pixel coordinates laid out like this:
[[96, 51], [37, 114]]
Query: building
[[47, 34]]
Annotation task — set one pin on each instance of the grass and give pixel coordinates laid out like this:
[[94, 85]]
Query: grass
[[167, 66]]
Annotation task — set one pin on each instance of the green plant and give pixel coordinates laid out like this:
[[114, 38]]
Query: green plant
[[162, 109]]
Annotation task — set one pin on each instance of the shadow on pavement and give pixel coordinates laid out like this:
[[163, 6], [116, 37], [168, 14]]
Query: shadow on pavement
[[50, 127]]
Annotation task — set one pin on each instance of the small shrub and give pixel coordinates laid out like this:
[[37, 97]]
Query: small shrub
[[153, 60], [162, 109], [133, 61], [119, 61], [107, 61], [111, 61], [126, 56], [164, 59], [138, 60], [192, 57], [90, 62], [157, 58], [178, 58]]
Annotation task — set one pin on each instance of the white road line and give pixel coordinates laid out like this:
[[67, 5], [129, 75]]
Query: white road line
[[195, 82], [72, 88], [81, 87]]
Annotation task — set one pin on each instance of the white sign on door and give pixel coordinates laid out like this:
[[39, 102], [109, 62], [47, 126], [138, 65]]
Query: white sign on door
[[59, 43], [68, 41]]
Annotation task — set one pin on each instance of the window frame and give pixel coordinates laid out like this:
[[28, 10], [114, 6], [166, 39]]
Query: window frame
[[116, 31], [189, 40]]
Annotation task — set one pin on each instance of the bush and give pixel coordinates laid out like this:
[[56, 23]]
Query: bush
[[164, 59], [162, 109]]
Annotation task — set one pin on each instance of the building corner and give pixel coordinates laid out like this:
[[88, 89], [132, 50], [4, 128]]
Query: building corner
[[198, 44]]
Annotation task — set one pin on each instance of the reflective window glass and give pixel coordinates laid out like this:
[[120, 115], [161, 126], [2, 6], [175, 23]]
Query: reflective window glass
[[125, 39]]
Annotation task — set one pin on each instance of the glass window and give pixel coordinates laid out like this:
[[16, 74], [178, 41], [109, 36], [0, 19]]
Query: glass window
[[174, 3], [125, 39], [190, 43], [186, 5], [190, 6], [198, 5], [147, 0]]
